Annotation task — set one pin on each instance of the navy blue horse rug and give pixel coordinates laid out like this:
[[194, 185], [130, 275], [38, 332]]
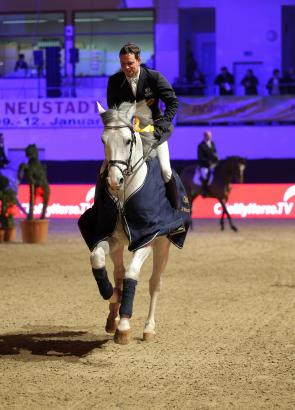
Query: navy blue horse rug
[[146, 214]]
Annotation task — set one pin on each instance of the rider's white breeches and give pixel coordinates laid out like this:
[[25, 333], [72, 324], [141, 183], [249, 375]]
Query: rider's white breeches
[[164, 159], [204, 172]]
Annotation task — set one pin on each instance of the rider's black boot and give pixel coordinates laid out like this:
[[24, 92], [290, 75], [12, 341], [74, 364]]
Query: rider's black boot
[[172, 195], [171, 192]]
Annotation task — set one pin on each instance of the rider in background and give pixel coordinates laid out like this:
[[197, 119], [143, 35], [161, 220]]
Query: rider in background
[[136, 82], [3, 158], [207, 159]]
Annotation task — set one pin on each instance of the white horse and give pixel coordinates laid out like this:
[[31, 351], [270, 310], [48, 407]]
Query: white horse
[[126, 171]]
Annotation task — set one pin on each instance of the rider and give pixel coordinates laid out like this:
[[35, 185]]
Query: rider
[[207, 159], [3, 158], [136, 82]]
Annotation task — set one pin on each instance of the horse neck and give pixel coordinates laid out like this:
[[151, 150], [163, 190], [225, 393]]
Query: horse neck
[[221, 175]]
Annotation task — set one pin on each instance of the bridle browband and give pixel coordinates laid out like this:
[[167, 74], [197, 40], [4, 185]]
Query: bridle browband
[[129, 170]]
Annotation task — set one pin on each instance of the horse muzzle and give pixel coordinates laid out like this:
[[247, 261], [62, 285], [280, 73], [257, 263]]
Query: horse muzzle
[[116, 184]]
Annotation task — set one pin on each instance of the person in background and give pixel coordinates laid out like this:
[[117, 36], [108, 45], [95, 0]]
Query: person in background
[[250, 83], [21, 63], [207, 159], [136, 83], [198, 84], [225, 82], [3, 157], [275, 83], [289, 82]]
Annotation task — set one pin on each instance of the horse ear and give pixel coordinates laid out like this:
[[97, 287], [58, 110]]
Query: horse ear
[[99, 107]]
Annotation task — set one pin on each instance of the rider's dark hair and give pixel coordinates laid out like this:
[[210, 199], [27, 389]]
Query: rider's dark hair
[[130, 48]]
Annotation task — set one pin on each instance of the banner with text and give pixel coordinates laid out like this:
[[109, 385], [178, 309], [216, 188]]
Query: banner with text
[[50, 113], [246, 201], [193, 110]]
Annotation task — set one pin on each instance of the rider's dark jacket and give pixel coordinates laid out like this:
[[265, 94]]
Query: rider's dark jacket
[[207, 155], [152, 87], [3, 158]]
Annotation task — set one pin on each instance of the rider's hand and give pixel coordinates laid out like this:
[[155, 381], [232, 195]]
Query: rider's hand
[[161, 126]]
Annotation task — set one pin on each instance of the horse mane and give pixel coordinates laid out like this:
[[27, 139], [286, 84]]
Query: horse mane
[[123, 113]]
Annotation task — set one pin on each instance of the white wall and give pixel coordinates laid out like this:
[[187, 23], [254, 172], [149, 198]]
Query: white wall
[[85, 143]]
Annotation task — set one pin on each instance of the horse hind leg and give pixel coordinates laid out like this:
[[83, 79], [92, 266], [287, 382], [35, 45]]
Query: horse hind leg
[[224, 210]]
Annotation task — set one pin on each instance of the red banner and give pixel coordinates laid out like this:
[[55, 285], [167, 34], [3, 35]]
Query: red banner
[[245, 201]]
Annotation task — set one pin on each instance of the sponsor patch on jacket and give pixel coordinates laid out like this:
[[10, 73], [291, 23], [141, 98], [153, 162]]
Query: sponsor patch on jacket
[[148, 92]]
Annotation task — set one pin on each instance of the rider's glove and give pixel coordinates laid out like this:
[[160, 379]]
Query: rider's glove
[[161, 126]]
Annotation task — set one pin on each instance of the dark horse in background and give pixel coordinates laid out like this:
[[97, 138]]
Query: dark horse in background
[[227, 171]]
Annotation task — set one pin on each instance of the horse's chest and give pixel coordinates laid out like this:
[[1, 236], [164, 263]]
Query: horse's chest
[[119, 233]]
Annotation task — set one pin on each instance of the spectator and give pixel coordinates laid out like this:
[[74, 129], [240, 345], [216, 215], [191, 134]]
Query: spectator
[[289, 82], [190, 62], [3, 157], [198, 84], [250, 83], [181, 86], [225, 82], [275, 83], [21, 64]]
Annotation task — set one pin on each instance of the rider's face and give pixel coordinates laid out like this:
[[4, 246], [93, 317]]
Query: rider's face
[[129, 64]]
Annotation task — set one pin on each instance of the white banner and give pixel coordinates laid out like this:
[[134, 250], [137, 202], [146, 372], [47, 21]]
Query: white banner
[[193, 110], [50, 113]]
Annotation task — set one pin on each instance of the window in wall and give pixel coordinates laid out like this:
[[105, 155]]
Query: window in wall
[[100, 35], [22, 34], [197, 51]]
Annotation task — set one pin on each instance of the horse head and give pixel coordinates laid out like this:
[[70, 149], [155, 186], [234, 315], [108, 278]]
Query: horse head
[[122, 145], [235, 166]]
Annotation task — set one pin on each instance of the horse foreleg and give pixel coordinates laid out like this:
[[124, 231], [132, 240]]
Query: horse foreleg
[[116, 256], [160, 259], [122, 334], [97, 260], [231, 224]]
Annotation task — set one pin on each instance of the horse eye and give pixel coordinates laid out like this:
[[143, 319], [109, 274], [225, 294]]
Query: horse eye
[[128, 142]]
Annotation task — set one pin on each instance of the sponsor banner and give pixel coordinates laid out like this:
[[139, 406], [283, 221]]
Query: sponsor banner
[[236, 108], [50, 113], [246, 201], [251, 201]]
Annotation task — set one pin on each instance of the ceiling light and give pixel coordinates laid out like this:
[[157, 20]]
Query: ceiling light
[[87, 20], [135, 18], [23, 21]]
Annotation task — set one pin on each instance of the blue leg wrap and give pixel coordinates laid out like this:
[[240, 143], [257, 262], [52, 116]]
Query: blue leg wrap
[[104, 285], [129, 286]]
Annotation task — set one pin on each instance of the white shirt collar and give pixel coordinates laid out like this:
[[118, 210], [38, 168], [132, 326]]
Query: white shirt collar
[[135, 78]]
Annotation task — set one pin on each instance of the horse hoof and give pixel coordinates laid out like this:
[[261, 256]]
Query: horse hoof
[[122, 337], [111, 324], [148, 336], [234, 229]]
